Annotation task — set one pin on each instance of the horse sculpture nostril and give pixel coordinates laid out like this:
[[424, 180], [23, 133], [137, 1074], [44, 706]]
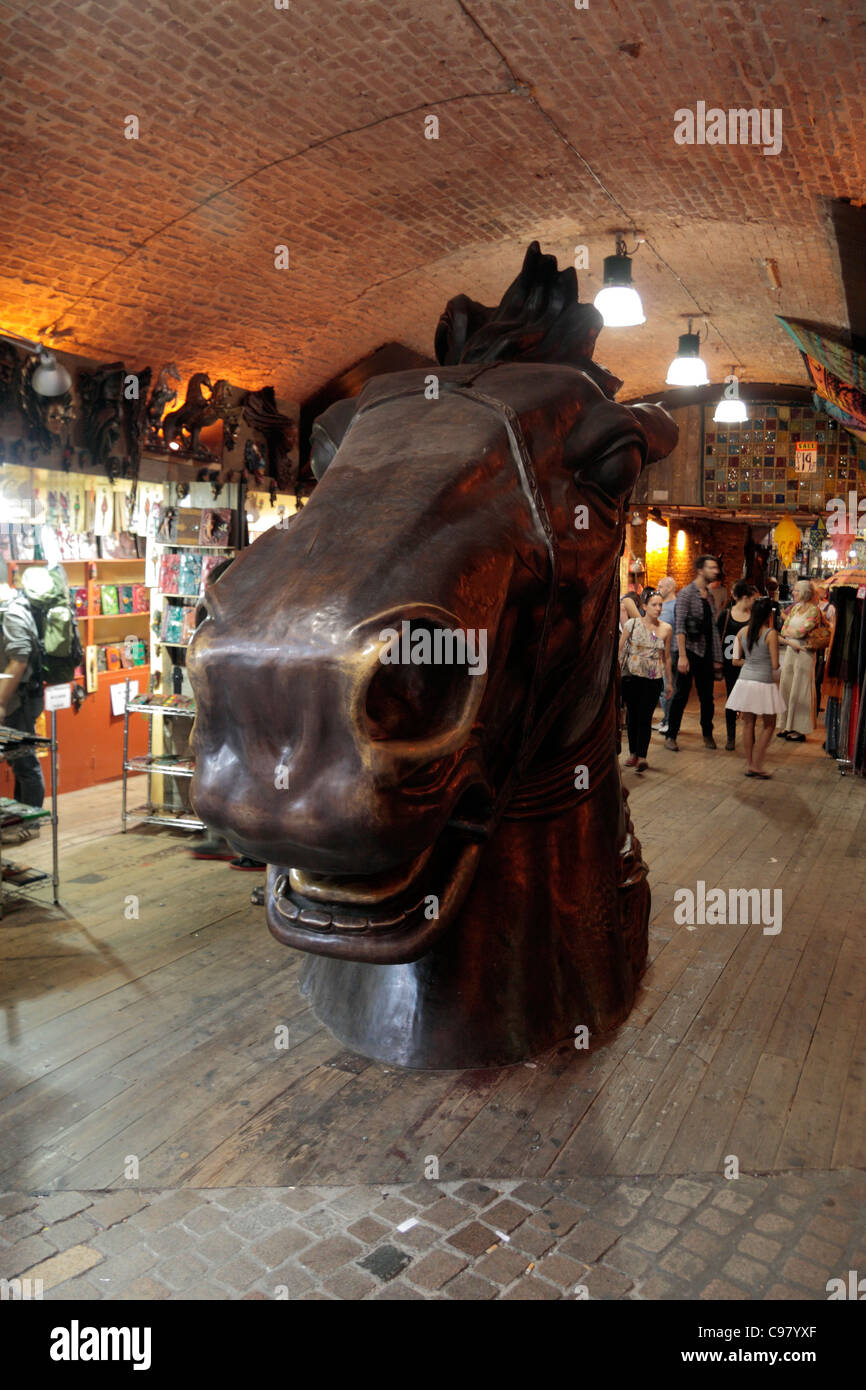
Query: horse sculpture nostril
[[423, 684]]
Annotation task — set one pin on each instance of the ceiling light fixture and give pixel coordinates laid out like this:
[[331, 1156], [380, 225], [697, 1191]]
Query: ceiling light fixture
[[50, 378], [619, 302], [730, 409], [688, 367]]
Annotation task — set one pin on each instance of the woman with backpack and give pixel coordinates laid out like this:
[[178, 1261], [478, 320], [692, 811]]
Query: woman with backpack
[[21, 692]]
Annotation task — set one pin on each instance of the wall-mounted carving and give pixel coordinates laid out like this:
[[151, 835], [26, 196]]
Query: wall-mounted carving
[[162, 396], [280, 433], [103, 423]]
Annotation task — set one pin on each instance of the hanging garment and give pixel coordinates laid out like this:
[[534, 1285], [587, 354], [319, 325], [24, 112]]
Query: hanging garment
[[831, 724], [845, 724]]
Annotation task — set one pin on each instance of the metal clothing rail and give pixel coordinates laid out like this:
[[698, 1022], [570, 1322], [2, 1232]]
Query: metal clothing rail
[[12, 744]]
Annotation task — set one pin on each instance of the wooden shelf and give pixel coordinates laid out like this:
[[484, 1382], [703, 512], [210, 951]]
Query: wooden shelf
[[130, 671], [95, 617]]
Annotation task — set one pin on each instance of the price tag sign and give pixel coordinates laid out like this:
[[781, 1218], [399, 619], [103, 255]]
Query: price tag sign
[[806, 456], [117, 695], [58, 697], [861, 592]]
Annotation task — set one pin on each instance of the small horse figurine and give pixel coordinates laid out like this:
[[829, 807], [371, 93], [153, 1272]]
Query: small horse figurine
[[192, 416], [161, 397], [448, 839]]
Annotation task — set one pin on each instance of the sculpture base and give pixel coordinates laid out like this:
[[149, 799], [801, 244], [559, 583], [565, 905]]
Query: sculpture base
[[524, 965]]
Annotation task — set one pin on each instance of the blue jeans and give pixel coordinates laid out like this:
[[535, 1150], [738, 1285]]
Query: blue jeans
[[29, 782]]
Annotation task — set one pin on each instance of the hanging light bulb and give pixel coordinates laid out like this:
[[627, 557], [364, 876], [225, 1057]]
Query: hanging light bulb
[[730, 409], [688, 367], [50, 378], [619, 302]]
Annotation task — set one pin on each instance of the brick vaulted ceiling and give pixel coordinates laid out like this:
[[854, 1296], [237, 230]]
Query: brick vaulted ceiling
[[304, 126]]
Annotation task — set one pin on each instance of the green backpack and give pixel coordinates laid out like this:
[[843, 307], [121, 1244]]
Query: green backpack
[[60, 648]]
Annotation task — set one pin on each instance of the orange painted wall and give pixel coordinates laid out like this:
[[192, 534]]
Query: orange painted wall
[[90, 740]]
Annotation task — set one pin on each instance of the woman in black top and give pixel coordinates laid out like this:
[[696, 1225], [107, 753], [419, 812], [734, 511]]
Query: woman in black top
[[729, 622]]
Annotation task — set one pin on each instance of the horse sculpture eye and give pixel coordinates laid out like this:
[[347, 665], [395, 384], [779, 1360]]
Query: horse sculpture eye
[[409, 700]]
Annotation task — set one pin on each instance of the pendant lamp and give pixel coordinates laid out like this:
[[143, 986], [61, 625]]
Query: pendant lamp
[[730, 409], [619, 302], [688, 367]]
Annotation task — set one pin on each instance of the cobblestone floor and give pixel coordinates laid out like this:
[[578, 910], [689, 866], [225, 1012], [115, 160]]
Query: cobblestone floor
[[779, 1236]]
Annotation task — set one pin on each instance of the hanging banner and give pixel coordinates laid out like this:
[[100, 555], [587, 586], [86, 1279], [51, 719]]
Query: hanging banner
[[828, 352]]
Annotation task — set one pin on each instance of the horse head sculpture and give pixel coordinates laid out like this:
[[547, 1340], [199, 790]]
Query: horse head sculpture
[[407, 698]]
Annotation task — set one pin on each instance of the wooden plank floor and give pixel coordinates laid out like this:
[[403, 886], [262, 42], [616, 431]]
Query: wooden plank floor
[[154, 1036]]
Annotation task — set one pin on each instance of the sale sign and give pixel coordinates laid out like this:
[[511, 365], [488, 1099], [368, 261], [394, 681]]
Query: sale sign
[[806, 456]]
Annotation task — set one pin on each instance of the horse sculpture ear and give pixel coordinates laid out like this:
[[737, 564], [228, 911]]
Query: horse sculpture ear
[[328, 432], [659, 428], [614, 443]]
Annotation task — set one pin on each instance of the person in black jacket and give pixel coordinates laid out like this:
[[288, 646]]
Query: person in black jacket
[[729, 623]]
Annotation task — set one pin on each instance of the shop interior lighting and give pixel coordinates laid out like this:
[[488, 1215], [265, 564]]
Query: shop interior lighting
[[50, 378], [730, 409], [618, 301], [688, 367]]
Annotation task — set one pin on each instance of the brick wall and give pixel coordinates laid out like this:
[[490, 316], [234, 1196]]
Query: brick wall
[[700, 537], [306, 127]]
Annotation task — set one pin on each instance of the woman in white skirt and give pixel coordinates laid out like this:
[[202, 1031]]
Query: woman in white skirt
[[756, 693]]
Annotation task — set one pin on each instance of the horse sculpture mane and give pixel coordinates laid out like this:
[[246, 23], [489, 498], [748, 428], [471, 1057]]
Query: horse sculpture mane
[[449, 842]]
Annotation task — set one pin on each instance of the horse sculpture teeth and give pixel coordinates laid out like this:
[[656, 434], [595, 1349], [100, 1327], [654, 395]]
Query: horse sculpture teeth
[[320, 920]]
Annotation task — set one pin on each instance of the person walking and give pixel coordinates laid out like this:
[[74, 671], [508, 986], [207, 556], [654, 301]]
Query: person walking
[[645, 662], [804, 629], [719, 593], [699, 649], [756, 693], [668, 590], [729, 623], [629, 606], [772, 587]]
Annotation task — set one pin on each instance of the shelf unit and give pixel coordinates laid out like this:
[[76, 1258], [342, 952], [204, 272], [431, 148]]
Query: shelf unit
[[114, 627], [168, 667], [155, 811], [91, 736]]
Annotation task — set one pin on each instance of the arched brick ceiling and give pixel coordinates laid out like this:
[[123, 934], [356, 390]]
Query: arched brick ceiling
[[305, 126]]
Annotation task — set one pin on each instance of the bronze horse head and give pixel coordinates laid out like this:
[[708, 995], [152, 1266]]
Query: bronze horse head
[[447, 836]]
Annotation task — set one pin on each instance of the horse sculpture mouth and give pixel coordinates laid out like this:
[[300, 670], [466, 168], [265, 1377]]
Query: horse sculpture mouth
[[384, 919]]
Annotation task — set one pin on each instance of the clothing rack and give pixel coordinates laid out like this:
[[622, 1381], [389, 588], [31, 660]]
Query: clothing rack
[[844, 686]]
